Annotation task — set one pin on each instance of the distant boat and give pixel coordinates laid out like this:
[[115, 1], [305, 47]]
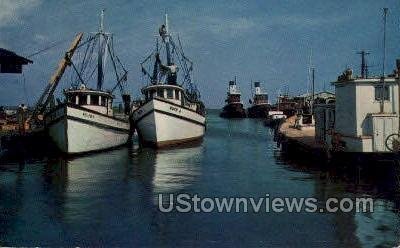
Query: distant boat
[[172, 112], [234, 106], [85, 121], [286, 104], [260, 106], [275, 118]]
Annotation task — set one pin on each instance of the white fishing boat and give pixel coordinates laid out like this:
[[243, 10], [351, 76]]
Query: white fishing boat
[[171, 112], [85, 121]]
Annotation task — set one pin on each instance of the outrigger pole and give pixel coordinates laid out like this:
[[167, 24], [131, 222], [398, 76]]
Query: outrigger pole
[[55, 79]]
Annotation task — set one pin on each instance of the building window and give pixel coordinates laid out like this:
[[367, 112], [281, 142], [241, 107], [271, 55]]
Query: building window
[[94, 100], [170, 93], [379, 91], [82, 99], [160, 92], [177, 94]]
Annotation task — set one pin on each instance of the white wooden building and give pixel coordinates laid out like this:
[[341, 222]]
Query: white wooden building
[[360, 124]]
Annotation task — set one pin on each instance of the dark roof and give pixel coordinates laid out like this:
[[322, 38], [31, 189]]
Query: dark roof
[[7, 57]]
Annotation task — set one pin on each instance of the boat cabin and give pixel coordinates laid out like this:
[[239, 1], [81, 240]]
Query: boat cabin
[[233, 93], [365, 113], [168, 92], [259, 96], [96, 100]]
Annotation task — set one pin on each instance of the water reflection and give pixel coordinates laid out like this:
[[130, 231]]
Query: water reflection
[[378, 229], [168, 170], [110, 198]]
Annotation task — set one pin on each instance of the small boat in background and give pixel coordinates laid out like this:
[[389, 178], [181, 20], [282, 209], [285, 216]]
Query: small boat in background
[[260, 106], [275, 118], [234, 106], [287, 105]]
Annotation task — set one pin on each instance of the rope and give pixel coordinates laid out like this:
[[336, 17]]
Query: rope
[[47, 48]]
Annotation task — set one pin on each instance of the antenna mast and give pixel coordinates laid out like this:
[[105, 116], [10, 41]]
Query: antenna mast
[[309, 70], [383, 91]]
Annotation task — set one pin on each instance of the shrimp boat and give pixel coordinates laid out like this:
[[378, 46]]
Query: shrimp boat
[[172, 112], [85, 121]]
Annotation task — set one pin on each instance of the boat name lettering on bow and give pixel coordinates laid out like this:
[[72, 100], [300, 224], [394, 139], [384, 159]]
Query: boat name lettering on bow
[[174, 109], [91, 116]]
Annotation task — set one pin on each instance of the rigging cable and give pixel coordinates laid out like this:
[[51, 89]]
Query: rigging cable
[[47, 48]]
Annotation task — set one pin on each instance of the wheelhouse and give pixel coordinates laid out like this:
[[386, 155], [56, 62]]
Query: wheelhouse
[[233, 94], [99, 101], [170, 93], [260, 99]]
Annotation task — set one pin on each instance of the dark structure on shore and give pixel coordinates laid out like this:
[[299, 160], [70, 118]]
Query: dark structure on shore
[[10, 62]]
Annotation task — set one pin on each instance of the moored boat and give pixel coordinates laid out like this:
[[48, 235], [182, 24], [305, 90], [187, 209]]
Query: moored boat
[[85, 121], [234, 106], [171, 113], [260, 105]]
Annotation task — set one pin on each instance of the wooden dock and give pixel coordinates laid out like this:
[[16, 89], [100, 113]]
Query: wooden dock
[[299, 141], [14, 144]]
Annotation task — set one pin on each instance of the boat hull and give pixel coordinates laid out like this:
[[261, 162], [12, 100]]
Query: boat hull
[[161, 124], [233, 110], [273, 122], [77, 130], [258, 111]]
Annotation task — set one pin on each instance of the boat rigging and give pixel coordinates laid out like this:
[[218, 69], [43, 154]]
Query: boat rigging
[[158, 72]]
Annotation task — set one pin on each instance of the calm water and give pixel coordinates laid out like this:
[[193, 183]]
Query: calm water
[[111, 198]]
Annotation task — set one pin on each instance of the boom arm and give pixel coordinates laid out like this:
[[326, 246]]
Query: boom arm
[[55, 79]]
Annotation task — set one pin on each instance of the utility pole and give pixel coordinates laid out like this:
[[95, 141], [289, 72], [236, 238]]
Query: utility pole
[[383, 90], [312, 89]]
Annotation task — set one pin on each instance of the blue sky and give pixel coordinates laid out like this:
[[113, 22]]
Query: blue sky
[[269, 41]]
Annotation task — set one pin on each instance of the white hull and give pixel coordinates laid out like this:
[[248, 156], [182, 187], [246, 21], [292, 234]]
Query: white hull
[[76, 130], [160, 123]]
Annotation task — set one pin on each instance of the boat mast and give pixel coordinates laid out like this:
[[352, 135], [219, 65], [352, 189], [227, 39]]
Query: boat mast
[[166, 40], [100, 73], [170, 67], [154, 78]]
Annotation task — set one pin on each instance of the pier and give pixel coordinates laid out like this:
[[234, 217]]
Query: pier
[[299, 141]]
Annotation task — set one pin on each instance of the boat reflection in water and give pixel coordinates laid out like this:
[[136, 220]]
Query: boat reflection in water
[[168, 170], [80, 200]]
